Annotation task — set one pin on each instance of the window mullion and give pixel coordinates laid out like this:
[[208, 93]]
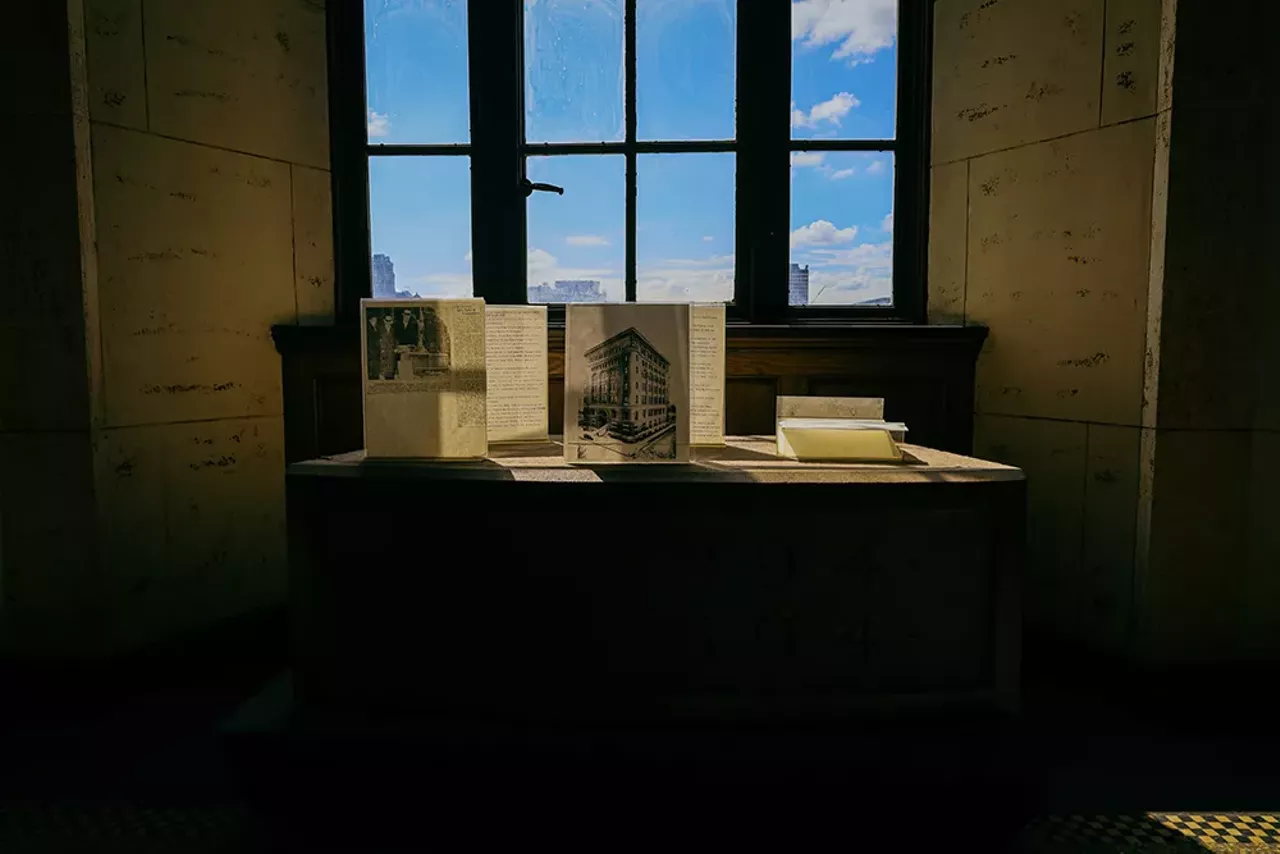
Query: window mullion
[[763, 178], [912, 155], [629, 57], [496, 65], [349, 161]]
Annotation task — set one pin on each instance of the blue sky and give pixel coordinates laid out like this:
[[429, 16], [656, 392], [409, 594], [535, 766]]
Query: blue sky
[[844, 69]]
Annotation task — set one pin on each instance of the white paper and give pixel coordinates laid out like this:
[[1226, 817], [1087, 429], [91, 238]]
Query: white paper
[[706, 374], [424, 378], [803, 406], [626, 389], [840, 424], [516, 366]]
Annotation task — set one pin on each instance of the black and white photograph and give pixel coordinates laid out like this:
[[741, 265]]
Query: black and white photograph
[[627, 384], [424, 378], [405, 342]]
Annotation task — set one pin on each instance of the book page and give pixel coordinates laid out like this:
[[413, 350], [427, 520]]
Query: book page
[[706, 374], [424, 378], [516, 368]]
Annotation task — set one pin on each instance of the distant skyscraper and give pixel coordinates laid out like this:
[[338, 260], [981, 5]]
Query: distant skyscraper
[[567, 290], [799, 290], [384, 277]]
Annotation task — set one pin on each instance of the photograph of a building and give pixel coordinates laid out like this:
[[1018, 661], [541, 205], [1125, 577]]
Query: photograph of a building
[[627, 394], [626, 397]]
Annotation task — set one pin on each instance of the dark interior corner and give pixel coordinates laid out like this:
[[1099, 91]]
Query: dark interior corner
[[1044, 243]]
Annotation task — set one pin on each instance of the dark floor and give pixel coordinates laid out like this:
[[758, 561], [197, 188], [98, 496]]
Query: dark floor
[[130, 761]]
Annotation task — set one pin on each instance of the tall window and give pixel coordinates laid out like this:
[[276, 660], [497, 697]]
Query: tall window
[[752, 152], [843, 135]]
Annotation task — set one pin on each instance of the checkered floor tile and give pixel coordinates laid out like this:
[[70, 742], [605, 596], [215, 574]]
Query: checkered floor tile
[[1155, 831], [35, 828]]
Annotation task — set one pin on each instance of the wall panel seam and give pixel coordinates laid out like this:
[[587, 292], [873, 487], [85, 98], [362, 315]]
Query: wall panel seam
[[210, 145], [1029, 143]]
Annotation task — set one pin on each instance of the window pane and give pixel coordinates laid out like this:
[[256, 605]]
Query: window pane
[[684, 227], [577, 242], [685, 69], [841, 228], [573, 71], [844, 69], [416, 71], [420, 226]]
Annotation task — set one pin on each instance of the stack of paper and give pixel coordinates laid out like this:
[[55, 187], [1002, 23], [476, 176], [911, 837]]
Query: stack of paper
[[839, 439], [837, 428]]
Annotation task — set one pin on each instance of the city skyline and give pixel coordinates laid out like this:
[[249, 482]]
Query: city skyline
[[583, 290], [844, 83], [798, 285]]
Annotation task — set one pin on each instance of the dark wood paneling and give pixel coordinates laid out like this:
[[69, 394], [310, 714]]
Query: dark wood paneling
[[924, 373], [555, 398], [749, 405], [894, 593], [340, 411]]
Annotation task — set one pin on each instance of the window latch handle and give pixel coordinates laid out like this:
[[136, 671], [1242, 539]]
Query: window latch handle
[[529, 186]]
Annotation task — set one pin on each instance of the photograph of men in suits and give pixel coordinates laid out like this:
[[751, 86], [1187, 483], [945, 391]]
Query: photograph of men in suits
[[373, 343], [387, 357], [405, 341], [434, 339], [408, 329]]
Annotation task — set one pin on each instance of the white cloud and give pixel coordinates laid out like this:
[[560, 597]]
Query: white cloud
[[540, 258], [680, 279], [379, 124], [835, 107], [713, 261], [831, 110], [586, 240], [807, 158], [862, 255], [822, 233], [831, 288], [861, 28], [876, 167], [467, 257], [844, 276], [707, 238], [817, 159], [887, 225]]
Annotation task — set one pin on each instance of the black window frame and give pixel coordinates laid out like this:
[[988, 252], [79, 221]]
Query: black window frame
[[762, 144]]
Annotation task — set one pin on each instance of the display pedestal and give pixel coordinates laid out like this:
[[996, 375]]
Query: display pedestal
[[739, 588], [515, 649]]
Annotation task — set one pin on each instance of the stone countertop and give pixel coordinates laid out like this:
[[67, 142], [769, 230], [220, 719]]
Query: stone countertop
[[748, 459]]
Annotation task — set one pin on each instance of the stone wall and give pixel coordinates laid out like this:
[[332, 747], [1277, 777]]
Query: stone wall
[[1045, 135], [1103, 215], [1208, 566], [48, 353], [203, 175], [210, 151]]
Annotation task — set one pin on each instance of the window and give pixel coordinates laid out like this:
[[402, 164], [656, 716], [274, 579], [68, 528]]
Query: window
[[417, 95], [753, 152]]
